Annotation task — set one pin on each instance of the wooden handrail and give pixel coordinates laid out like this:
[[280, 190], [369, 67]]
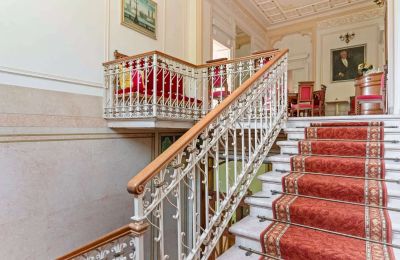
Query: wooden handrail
[[137, 184], [148, 54], [130, 229], [250, 57], [217, 63]]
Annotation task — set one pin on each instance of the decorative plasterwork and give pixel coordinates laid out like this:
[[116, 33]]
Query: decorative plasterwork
[[277, 12], [353, 18]]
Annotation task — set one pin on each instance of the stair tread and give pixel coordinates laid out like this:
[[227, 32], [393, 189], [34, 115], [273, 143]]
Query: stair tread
[[285, 158], [249, 227], [275, 177], [294, 143], [279, 158], [301, 130], [267, 203], [262, 202], [235, 252], [272, 176]]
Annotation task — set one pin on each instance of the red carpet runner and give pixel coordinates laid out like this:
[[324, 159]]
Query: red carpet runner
[[344, 150]]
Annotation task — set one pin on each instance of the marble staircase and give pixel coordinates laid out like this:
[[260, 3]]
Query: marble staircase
[[247, 231]]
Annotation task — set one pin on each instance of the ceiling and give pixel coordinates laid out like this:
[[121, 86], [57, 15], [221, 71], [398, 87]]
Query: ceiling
[[275, 12]]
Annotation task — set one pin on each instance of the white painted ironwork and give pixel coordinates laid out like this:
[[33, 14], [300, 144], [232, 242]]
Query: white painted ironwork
[[170, 89], [185, 222], [122, 248]]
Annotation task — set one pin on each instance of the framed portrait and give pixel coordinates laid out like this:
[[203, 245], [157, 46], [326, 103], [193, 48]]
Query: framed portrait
[[345, 61], [141, 16]]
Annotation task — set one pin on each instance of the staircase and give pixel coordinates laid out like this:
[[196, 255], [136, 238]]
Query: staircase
[[247, 231], [185, 199]]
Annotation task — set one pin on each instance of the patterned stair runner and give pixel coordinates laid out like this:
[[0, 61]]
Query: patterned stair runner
[[316, 194]]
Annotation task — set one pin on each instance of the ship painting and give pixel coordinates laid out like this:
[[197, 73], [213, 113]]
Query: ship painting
[[140, 15]]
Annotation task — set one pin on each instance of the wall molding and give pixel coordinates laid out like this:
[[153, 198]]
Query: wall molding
[[107, 30], [92, 88], [60, 137], [39, 75], [351, 19]]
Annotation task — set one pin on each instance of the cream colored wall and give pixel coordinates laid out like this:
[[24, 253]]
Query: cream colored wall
[[300, 63], [220, 19], [60, 45], [367, 32], [63, 172], [366, 23]]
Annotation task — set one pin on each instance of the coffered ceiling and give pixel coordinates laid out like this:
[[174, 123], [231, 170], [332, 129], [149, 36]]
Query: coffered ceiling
[[275, 12]]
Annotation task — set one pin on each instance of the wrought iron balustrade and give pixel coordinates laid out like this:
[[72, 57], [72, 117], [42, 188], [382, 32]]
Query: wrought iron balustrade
[[156, 85], [226, 147], [117, 245], [184, 199]]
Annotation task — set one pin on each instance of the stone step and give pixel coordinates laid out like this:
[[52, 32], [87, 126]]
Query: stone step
[[235, 253], [263, 207], [247, 232], [291, 147], [282, 162], [298, 133], [273, 181], [390, 120]]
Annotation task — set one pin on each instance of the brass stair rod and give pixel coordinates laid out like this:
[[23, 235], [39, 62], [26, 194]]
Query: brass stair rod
[[340, 176], [345, 140], [354, 126], [346, 156], [274, 192], [252, 251], [263, 218]]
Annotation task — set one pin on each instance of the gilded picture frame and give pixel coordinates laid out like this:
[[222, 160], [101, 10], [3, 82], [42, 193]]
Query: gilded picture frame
[[140, 15], [353, 56]]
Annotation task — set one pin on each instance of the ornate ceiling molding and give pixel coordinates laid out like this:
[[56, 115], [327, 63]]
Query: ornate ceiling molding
[[275, 14], [352, 18]]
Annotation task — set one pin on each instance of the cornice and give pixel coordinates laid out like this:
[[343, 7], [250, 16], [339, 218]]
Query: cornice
[[351, 19]]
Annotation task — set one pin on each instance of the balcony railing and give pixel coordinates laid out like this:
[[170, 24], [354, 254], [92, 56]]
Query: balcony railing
[[156, 85]]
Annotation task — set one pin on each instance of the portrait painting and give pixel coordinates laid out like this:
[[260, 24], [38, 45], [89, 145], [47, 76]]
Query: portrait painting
[[345, 61], [141, 16]]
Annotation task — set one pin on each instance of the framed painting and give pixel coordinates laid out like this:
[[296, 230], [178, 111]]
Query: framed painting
[[345, 61], [141, 16]]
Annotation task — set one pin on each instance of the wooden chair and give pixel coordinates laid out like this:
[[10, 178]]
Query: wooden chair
[[319, 101], [352, 111], [305, 100]]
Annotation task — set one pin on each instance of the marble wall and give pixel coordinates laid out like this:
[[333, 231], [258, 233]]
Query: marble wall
[[63, 173]]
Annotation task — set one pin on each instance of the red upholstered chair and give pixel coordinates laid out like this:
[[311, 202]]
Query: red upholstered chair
[[319, 101], [305, 101], [138, 81], [218, 84], [379, 98]]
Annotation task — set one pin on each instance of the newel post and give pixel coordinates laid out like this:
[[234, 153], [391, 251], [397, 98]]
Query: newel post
[[140, 226]]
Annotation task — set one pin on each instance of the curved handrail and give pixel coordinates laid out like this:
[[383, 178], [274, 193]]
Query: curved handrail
[[136, 184], [219, 63], [126, 230]]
